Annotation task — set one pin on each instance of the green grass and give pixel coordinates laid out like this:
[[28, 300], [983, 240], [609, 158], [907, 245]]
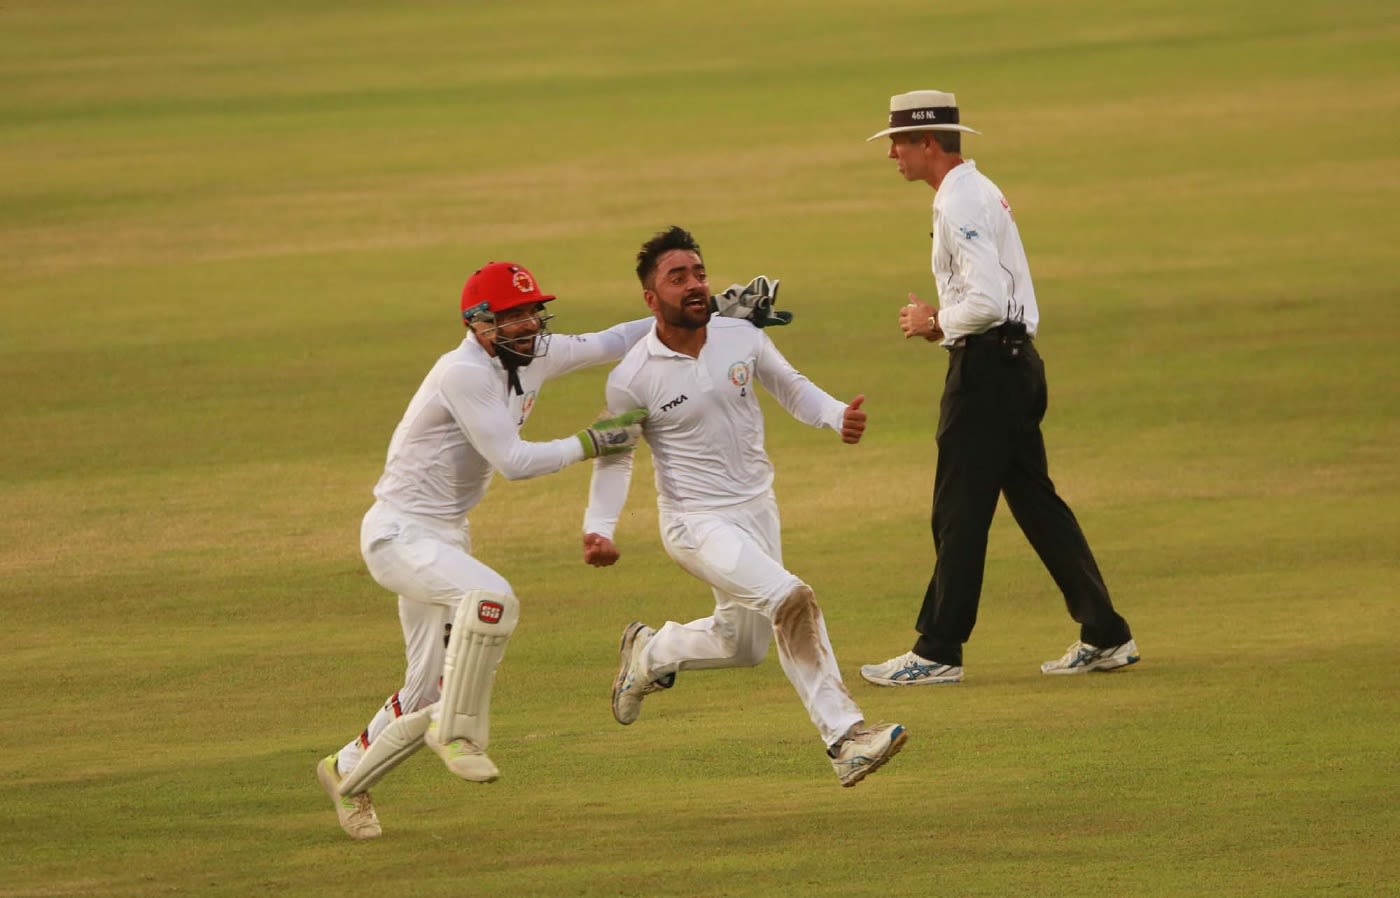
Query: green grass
[[234, 236]]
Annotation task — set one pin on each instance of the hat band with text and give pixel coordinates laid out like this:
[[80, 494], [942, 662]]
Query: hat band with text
[[936, 115]]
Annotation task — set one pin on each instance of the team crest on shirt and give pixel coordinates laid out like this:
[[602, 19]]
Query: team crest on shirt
[[527, 403], [739, 374]]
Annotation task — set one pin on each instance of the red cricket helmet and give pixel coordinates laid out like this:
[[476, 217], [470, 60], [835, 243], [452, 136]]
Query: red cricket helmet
[[497, 287]]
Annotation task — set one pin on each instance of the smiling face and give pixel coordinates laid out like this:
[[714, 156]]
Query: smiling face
[[515, 331], [679, 292]]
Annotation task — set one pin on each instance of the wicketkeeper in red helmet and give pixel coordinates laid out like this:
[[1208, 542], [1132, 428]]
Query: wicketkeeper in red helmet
[[461, 427]]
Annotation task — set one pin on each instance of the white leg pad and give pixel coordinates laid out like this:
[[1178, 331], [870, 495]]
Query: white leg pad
[[397, 741], [480, 632]]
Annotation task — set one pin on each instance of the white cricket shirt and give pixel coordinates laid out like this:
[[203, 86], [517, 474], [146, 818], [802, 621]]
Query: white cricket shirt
[[979, 264], [704, 424], [464, 423]]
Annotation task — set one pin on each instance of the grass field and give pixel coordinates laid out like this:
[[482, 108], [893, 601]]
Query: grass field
[[233, 240]]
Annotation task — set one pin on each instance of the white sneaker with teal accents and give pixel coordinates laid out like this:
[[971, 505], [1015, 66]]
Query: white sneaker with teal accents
[[1083, 658], [866, 751], [910, 670]]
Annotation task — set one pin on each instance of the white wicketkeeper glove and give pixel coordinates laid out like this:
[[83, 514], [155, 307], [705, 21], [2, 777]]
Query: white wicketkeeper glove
[[753, 301], [609, 436]]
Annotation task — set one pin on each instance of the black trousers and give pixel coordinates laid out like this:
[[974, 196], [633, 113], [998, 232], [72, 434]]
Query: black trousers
[[989, 445]]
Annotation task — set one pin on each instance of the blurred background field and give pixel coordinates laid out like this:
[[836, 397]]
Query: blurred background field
[[233, 239]]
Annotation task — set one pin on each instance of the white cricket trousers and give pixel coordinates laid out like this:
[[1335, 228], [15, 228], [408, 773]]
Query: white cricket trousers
[[427, 562], [738, 552]]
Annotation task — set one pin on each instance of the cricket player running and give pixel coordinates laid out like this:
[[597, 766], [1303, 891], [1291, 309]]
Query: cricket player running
[[695, 377], [457, 614]]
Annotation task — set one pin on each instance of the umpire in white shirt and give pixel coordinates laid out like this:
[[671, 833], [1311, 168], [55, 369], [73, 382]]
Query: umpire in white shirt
[[994, 397]]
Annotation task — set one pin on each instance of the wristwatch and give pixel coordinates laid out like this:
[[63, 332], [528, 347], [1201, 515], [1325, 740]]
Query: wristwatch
[[933, 323]]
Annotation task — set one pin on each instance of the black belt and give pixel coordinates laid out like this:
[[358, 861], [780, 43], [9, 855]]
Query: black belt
[[1001, 333], [1011, 337]]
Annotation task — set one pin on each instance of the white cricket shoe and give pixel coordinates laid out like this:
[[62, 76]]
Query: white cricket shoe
[[866, 751], [910, 670], [628, 689], [1082, 658], [356, 812], [462, 757]]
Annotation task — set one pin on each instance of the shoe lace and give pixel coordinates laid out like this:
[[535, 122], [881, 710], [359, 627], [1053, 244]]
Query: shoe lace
[[1081, 653], [635, 684], [915, 666], [461, 748]]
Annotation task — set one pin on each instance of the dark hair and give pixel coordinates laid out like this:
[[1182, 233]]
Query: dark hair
[[948, 141], [674, 237]]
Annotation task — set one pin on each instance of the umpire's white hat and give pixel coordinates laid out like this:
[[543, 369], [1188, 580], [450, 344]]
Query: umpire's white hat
[[923, 110]]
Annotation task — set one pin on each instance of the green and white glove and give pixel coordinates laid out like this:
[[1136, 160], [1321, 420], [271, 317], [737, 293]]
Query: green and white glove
[[609, 436], [753, 301]]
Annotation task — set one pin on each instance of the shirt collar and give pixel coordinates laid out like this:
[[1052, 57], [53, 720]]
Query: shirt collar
[[962, 170], [656, 348]]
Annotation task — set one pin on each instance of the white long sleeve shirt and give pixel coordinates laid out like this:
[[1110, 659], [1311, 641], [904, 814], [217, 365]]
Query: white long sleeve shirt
[[704, 424], [464, 424], [979, 264]]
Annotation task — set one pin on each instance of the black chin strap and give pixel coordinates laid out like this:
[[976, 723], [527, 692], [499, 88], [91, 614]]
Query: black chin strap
[[512, 361]]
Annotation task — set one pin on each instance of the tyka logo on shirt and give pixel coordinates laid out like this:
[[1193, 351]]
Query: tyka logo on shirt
[[667, 406]]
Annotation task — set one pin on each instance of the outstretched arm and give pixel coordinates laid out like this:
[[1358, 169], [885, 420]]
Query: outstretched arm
[[477, 400], [803, 399], [752, 302], [570, 352]]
